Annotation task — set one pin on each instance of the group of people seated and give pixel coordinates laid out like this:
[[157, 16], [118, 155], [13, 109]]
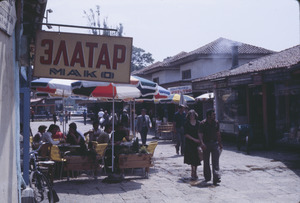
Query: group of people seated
[[74, 137]]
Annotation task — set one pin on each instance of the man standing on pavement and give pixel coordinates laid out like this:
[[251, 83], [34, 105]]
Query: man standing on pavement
[[210, 132], [143, 125], [179, 120], [84, 117]]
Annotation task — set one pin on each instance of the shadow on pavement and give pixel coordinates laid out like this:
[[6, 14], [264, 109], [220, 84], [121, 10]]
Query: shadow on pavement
[[289, 157], [95, 187], [196, 183]]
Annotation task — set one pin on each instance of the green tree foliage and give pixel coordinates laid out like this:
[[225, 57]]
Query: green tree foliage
[[140, 58]]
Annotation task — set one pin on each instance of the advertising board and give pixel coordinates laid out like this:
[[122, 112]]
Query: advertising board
[[82, 57]]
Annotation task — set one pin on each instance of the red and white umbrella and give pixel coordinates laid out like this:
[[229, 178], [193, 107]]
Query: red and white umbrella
[[105, 90], [54, 87]]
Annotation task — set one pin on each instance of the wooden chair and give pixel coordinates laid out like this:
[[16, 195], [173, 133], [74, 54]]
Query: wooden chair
[[165, 128], [55, 156], [151, 148], [100, 150]]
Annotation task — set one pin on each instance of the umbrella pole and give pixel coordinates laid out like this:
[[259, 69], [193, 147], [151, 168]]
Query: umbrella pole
[[63, 114], [134, 118], [130, 117], [113, 134]]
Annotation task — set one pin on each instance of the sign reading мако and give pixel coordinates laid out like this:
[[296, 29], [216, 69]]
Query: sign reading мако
[[82, 57]]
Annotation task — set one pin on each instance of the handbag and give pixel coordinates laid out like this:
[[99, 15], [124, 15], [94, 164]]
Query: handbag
[[200, 153]]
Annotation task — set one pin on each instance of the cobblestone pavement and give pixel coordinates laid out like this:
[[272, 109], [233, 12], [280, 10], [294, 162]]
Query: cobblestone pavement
[[262, 176]]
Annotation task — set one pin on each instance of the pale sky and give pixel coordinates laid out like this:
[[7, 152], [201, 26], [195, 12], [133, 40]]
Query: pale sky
[[166, 27]]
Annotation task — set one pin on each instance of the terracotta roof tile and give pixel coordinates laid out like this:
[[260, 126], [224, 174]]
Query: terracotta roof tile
[[224, 46], [283, 59], [219, 46]]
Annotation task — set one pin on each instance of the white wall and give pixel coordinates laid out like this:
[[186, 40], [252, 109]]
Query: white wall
[[167, 76], [8, 128], [200, 68]]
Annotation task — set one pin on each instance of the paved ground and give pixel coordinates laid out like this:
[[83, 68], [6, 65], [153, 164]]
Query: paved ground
[[262, 176]]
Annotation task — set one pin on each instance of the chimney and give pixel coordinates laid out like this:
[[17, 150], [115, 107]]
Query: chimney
[[235, 57]]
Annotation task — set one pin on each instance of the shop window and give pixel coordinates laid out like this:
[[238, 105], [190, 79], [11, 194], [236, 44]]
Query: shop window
[[156, 80]]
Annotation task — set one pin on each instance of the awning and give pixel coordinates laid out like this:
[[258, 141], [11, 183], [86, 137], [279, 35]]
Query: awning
[[205, 97]]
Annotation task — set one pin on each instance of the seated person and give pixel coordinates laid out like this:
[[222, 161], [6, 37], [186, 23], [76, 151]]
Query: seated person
[[59, 135], [104, 136], [74, 137], [47, 136], [37, 138], [120, 133], [95, 132]]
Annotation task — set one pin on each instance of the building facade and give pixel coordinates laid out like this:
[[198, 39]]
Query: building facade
[[19, 21], [263, 93], [219, 55]]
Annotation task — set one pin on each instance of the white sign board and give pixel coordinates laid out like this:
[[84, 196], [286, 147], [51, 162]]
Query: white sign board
[[181, 89], [82, 57], [7, 16]]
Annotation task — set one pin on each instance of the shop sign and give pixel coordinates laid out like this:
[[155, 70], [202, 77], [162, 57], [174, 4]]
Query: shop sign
[[247, 79], [82, 57], [221, 85], [181, 89], [7, 16], [203, 86]]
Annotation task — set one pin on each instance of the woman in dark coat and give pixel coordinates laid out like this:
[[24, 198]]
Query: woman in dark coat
[[192, 141]]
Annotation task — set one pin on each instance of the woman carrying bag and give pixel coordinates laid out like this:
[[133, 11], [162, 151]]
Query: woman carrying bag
[[193, 143]]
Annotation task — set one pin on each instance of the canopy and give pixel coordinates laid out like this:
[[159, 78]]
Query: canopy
[[161, 93], [138, 87], [175, 98], [105, 90], [55, 87], [205, 97]]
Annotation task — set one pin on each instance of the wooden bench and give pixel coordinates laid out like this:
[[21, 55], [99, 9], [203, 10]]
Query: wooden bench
[[136, 161], [165, 128], [80, 163]]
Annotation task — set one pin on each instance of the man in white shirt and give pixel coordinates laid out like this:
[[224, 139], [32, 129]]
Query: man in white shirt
[[47, 136], [100, 113], [94, 133]]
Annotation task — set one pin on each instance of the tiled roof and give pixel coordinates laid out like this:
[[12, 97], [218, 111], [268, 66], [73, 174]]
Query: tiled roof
[[224, 46], [283, 59], [219, 46], [158, 64], [152, 66]]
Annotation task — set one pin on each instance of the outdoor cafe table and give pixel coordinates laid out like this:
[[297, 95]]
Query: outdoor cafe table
[[64, 147]]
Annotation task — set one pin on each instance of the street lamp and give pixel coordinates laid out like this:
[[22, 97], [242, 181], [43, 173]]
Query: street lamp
[[48, 11]]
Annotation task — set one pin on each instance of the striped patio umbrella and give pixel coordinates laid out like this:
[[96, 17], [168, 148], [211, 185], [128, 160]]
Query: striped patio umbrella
[[175, 98], [161, 93], [136, 88], [54, 87]]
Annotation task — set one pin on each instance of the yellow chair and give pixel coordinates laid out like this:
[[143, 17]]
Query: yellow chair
[[100, 150], [56, 157], [151, 147], [94, 143], [30, 140]]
